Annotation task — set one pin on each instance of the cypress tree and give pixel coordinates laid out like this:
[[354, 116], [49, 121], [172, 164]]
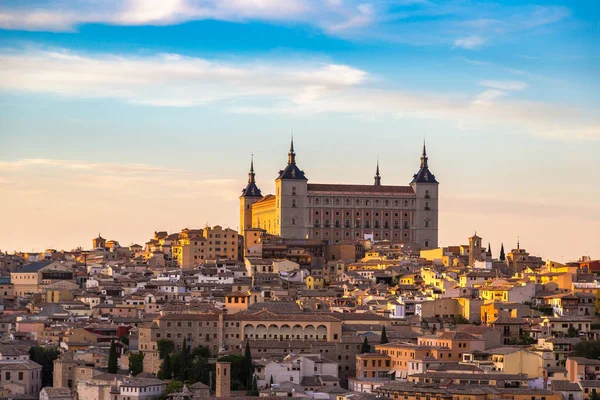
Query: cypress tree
[[502, 255], [113, 363], [384, 338], [165, 369], [365, 347], [247, 367]]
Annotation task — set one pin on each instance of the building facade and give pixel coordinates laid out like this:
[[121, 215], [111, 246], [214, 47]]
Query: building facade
[[343, 212]]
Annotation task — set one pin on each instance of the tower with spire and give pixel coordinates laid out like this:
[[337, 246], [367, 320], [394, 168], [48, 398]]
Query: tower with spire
[[425, 187], [291, 209], [377, 176], [250, 195], [337, 213]]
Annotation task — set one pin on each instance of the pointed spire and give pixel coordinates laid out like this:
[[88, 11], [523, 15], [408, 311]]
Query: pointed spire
[[292, 154], [251, 175], [424, 156], [377, 176]]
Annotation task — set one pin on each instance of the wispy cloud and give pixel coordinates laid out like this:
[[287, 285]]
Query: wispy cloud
[[504, 85], [463, 24], [167, 79], [470, 43], [278, 87]]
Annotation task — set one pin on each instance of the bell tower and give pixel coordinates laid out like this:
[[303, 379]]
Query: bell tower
[[250, 195], [292, 199], [425, 187]]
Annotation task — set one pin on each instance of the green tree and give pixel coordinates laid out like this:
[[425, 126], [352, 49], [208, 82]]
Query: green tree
[[253, 391], [184, 362], [459, 319], [365, 347], [172, 387], [271, 381], [502, 255], [45, 356], [384, 338], [113, 362], [247, 366], [136, 363], [587, 349], [572, 332], [594, 395], [165, 346], [201, 352], [165, 371]]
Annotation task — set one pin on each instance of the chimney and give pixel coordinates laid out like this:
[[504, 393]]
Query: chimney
[[223, 387]]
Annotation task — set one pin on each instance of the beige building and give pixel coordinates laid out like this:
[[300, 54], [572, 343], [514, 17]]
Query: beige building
[[340, 212], [33, 277], [196, 246], [23, 377]]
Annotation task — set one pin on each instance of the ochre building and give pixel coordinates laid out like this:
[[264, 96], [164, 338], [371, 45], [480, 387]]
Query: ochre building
[[342, 212]]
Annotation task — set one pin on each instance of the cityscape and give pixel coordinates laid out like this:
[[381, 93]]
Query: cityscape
[[329, 200]]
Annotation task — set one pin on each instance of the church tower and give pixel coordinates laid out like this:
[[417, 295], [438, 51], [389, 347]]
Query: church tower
[[292, 199], [250, 195], [425, 187], [475, 249], [377, 176]]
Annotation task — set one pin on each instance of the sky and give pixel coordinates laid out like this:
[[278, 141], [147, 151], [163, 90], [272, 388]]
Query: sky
[[126, 117]]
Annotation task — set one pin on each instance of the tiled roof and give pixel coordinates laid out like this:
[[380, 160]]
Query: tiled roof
[[34, 267], [320, 187]]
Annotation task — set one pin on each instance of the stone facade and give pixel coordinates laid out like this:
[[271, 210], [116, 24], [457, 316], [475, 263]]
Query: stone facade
[[339, 212]]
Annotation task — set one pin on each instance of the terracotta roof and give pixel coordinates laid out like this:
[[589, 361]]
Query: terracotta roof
[[320, 187], [268, 197]]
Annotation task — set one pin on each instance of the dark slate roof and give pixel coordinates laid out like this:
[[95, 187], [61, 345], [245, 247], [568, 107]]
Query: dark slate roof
[[424, 176], [251, 190], [291, 171], [35, 267], [320, 187]]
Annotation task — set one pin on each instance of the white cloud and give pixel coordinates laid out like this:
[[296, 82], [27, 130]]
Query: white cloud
[[168, 79], [504, 85], [59, 15], [470, 42], [302, 88]]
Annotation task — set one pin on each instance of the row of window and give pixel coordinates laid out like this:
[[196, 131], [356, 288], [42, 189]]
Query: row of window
[[360, 202], [357, 234], [367, 224]]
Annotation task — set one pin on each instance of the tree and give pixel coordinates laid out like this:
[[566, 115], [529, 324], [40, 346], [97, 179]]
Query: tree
[[459, 319], [384, 338], [165, 371], [172, 387], [594, 395], [502, 255], [136, 363], [587, 349], [247, 366], [184, 362], [165, 346], [45, 356], [253, 391], [365, 347], [271, 381], [113, 362], [572, 332]]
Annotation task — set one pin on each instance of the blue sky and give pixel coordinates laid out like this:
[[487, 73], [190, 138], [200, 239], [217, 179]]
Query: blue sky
[[133, 116]]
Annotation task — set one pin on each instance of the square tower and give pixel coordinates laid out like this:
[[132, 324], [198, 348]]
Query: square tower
[[223, 387]]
